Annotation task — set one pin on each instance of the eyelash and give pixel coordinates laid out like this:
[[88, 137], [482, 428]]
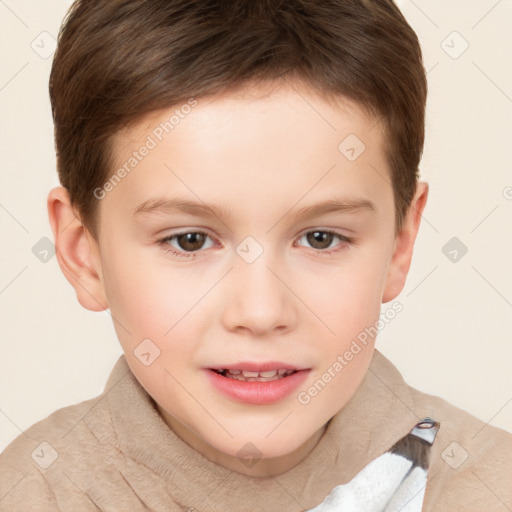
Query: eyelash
[[345, 241]]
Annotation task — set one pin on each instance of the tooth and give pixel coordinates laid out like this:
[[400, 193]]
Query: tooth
[[267, 376], [249, 374]]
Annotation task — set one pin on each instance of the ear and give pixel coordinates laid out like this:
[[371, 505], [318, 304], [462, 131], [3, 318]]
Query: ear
[[404, 244], [77, 251]]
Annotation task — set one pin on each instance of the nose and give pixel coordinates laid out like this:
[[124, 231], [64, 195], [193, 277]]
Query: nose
[[258, 300]]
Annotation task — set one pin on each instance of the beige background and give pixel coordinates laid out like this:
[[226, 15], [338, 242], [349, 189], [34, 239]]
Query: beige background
[[453, 337]]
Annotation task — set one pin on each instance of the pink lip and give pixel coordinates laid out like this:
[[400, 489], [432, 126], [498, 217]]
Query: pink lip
[[258, 393]]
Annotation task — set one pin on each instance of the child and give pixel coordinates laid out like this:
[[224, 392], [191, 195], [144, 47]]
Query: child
[[207, 152]]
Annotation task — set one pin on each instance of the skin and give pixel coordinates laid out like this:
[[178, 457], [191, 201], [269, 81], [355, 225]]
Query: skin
[[261, 153]]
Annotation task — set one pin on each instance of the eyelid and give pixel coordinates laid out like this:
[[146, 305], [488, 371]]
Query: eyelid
[[201, 231]]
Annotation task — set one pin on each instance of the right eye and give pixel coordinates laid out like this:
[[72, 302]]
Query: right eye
[[187, 243]]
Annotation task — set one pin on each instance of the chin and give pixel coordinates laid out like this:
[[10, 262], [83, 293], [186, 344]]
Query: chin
[[258, 446]]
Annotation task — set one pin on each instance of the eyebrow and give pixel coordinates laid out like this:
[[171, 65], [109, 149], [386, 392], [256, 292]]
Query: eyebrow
[[199, 209]]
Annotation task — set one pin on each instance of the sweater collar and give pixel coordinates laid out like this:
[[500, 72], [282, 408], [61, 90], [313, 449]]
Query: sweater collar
[[380, 413]]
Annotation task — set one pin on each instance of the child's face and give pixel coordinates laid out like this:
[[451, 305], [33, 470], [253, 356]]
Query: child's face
[[261, 286]]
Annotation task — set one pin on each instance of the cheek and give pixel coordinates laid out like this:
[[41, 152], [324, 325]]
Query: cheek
[[350, 307], [146, 296], [345, 297]]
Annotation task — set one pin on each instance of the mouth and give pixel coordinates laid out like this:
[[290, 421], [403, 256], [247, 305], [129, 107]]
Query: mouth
[[257, 383]]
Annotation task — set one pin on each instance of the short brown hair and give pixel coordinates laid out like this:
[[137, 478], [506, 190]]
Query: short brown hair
[[118, 60]]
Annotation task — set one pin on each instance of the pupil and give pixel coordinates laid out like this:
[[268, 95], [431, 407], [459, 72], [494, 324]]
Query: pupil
[[191, 241]]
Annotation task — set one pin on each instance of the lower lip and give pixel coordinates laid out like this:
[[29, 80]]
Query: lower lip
[[258, 393]]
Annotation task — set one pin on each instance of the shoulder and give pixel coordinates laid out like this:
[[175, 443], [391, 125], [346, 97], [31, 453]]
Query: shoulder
[[38, 461], [471, 461]]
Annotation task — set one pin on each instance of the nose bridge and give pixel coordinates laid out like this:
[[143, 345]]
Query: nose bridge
[[258, 300]]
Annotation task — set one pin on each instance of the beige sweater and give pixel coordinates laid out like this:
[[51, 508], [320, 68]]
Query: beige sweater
[[115, 453]]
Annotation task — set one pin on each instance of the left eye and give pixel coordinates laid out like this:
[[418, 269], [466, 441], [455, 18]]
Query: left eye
[[322, 239]]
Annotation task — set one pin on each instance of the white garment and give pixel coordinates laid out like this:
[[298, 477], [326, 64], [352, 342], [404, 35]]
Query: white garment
[[393, 482]]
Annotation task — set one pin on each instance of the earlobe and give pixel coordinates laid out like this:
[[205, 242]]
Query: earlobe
[[76, 251], [404, 245]]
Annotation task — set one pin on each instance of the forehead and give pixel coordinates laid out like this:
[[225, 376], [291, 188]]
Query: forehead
[[253, 142], [265, 108]]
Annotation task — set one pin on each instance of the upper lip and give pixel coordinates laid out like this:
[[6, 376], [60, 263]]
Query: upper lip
[[251, 366]]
